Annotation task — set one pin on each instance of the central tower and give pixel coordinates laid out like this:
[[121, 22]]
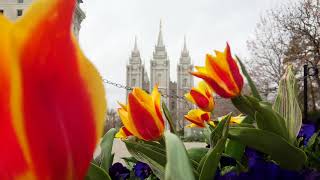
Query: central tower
[[160, 67]]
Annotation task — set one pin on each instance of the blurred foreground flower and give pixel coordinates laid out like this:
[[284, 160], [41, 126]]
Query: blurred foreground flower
[[52, 103], [142, 117], [202, 97], [198, 118], [222, 74]]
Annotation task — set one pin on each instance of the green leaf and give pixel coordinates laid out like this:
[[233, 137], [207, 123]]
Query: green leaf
[[235, 149], [178, 166], [253, 87], [196, 154], [279, 149], [218, 132], [287, 105], [312, 140], [228, 169], [106, 149], [96, 173], [149, 154], [210, 162], [244, 106], [169, 118], [268, 119]]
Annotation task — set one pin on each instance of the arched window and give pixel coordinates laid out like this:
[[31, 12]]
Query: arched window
[[185, 81], [133, 82], [158, 79]]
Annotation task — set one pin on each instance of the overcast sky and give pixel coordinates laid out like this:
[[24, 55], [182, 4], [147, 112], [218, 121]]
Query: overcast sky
[[107, 33]]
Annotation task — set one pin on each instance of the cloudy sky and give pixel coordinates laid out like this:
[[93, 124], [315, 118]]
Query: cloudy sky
[[107, 34]]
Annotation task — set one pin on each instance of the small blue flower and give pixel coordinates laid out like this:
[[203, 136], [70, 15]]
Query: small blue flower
[[118, 172], [306, 131], [142, 170]]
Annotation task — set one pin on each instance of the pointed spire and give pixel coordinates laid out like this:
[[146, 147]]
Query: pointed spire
[[135, 54], [160, 38], [135, 45], [185, 44], [185, 51]]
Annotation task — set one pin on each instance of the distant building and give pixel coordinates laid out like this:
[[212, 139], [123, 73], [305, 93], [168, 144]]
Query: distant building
[[136, 76], [160, 75], [13, 9]]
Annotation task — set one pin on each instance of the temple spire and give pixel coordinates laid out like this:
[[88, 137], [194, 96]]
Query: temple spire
[[185, 52], [135, 54], [185, 44], [160, 38], [135, 45]]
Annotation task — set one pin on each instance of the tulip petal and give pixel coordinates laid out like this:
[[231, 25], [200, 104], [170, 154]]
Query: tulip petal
[[123, 133], [14, 161], [124, 116], [205, 89], [63, 111], [156, 96], [198, 117], [201, 100], [234, 68], [142, 117], [189, 98], [220, 71], [216, 87]]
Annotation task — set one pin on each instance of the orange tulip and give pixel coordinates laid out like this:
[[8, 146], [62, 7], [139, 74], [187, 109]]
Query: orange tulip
[[202, 97], [222, 74], [142, 116], [52, 103], [198, 118]]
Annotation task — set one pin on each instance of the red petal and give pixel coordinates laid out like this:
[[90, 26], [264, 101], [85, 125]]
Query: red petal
[[220, 91], [234, 69], [201, 101], [143, 119], [60, 109], [222, 73]]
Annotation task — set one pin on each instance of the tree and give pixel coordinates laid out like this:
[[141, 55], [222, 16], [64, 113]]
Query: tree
[[288, 34], [112, 120]]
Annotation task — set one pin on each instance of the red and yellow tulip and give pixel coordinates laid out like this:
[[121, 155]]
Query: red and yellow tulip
[[222, 74], [198, 118], [234, 119], [201, 96], [52, 103], [142, 116], [123, 133]]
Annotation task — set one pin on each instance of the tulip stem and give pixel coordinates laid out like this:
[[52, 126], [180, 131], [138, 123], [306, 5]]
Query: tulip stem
[[169, 118]]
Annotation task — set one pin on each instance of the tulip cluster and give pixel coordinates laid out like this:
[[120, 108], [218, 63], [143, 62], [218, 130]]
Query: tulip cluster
[[52, 103], [221, 75]]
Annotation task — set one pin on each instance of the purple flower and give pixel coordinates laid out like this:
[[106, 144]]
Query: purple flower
[[306, 131], [142, 170], [118, 172]]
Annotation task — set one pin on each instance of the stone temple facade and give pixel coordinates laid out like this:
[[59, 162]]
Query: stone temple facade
[[13, 9], [136, 76]]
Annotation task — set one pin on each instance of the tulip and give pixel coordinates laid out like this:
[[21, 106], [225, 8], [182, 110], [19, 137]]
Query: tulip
[[234, 119], [123, 133], [198, 118], [222, 74], [52, 104], [142, 117], [201, 96]]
